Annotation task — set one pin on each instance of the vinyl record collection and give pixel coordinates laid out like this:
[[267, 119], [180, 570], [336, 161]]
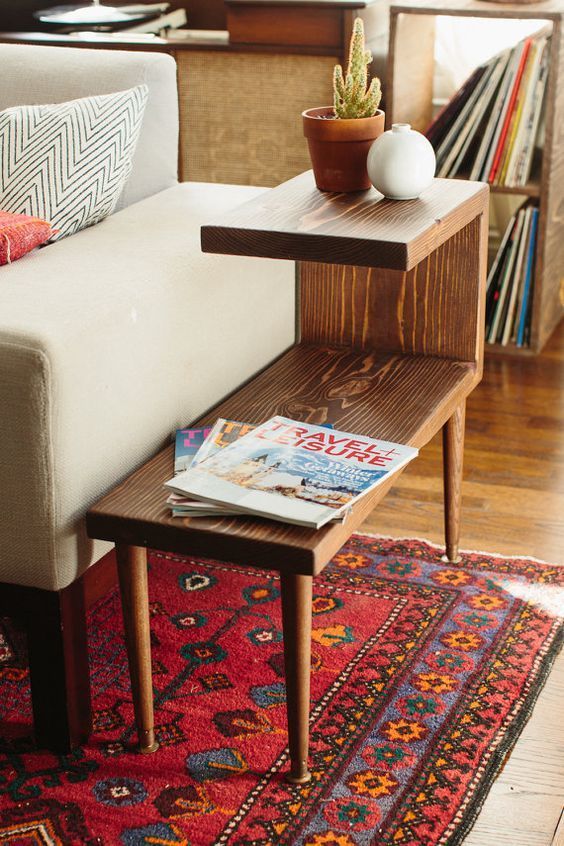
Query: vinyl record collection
[[511, 280], [489, 129]]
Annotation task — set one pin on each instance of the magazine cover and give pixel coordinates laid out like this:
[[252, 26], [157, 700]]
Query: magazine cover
[[190, 445], [221, 434], [186, 444], [293, 472]]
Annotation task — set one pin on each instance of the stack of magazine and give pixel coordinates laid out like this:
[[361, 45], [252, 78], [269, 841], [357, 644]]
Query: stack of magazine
[[282, 469], [191, 447], [511, 279], [490, 128]]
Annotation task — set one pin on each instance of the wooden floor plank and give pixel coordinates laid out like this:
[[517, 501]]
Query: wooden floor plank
[[558, 839], [513, 503]]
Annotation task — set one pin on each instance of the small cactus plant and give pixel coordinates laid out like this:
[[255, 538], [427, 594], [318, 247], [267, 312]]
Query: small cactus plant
[[352, 98]]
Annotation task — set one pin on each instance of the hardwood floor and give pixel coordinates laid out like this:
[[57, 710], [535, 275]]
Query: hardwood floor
[[513, 503]]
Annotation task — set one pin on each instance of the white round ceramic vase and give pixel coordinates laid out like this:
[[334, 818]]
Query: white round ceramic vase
[[401, 163]]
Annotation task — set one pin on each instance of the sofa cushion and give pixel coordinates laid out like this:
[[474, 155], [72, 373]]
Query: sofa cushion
[[20, 234], [69, 162], [32, 74], [109, 341]]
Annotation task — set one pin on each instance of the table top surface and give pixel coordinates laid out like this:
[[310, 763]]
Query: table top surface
[[297, 221], [405, 399]]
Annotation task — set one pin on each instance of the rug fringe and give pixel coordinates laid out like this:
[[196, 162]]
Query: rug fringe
[[464, 551]]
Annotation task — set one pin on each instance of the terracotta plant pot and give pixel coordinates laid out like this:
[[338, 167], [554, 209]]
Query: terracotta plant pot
[[339, 147]]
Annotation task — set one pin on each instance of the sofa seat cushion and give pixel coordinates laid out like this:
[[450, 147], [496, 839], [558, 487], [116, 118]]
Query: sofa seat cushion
[[109, 340]]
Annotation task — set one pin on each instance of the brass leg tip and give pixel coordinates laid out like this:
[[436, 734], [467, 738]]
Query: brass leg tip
[[299, 779], [147, 742], [147, 750], [451, 559]]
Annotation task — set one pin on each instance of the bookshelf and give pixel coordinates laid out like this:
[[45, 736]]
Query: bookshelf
[[410, 100]]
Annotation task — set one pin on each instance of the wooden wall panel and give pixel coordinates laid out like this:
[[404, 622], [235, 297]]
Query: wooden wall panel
[[307, 27], [18, 14], [431, 309], [201, 14]]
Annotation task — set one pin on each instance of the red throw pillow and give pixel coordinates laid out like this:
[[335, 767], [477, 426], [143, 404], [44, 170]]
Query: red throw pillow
[[20, 234]]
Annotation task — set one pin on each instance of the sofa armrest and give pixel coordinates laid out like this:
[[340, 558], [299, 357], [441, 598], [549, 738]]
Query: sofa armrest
[[109, 340]]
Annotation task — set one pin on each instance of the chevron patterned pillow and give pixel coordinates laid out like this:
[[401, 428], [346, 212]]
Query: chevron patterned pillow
[[68, 163]]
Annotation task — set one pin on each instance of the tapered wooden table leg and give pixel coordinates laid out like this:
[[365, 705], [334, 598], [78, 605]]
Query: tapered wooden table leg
[[453, 454], [296, 623], [133, 582]]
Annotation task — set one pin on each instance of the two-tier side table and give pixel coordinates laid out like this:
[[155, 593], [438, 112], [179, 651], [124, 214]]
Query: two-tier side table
[[390, 344]]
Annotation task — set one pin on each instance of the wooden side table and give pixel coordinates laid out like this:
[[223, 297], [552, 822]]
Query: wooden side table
[[390, 344]]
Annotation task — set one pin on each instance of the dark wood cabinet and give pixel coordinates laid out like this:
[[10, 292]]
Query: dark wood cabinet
[[18, 14]]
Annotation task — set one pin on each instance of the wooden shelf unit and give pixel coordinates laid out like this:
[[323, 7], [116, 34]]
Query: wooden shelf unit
[[531, 189], [389, 344], [410, 100]]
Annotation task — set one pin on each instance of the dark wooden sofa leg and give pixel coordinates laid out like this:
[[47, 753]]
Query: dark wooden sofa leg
[[453, 454], [296, 624], [55, 624]]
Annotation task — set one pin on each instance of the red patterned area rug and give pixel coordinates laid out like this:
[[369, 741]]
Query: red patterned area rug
[[423, 675]]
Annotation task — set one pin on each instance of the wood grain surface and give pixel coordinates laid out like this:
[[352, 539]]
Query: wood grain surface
[[296, 595], [134, 587], [250, 23], [296, 221], [433, 309], [399, 398], [558, 839], [513, 490], [513, 502], [453, 458], [369, 391]]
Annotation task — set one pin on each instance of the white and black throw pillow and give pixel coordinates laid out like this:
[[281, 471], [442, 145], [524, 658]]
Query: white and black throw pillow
[[68, 163]]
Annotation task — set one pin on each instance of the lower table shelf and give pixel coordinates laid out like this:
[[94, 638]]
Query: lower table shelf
[[394, 397]]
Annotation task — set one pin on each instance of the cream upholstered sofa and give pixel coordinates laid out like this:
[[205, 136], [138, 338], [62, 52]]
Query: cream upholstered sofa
[[109, 340]]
